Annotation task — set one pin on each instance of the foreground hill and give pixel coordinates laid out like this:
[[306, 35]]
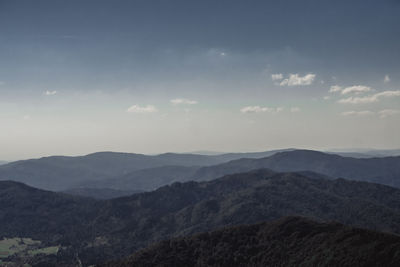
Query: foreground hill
[[378, 170], [101, 230], [128, 224], [42, 215], [291, 241]]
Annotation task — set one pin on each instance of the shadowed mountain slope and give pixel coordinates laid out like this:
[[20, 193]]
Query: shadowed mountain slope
[[99, 193], [43, 215], [291, 241], [146, 179]]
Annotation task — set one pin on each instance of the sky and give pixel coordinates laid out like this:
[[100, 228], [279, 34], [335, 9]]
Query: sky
[[148, 76]]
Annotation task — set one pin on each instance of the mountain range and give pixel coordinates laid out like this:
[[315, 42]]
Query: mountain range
[[378, 170], [135, 172], [62, 173]]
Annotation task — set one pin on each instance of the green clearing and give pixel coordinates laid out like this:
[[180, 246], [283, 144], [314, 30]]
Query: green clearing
[[46, 250], [11, 246], [24, 248]]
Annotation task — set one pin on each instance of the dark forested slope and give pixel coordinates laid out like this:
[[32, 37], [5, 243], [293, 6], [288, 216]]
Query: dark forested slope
[[102, 230], [291, 241]]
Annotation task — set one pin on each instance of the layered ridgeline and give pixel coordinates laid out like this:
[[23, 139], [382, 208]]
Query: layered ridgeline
[[291, 241], [62, 173], [135, 172], [378, 170], [101, 230]]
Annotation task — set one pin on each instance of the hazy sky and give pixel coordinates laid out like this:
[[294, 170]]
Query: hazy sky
[[155, 76]]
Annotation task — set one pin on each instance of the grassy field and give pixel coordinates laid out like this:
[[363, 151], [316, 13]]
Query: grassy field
[[11, 246], [23, 247], [46, 250]]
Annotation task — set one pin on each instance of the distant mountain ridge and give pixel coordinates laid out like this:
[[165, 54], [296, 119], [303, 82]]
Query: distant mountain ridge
[[378, 170], [290, 241], [131, 172], [61, 173]]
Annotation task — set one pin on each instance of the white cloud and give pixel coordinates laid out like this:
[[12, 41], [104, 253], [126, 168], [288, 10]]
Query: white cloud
[[294, 109], [335, 88], [388, 112], [26, 117], [370, 98], [50, 92], [184, 101], [386, 79], [357, 89], [277, 76], [295, 79], [258, 109], [139, 109], [327, 97], [357, 113]]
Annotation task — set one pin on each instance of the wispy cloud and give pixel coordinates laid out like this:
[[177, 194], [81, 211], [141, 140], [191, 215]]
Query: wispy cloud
[[357, 89], [258, 109], [357, 113], [48, 93], [335, 88], [139, 109], [180, 101], [277, 77], [295, 109], [388, 112], [386, 79], [382, 114], [296, 80], [370, 98]]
